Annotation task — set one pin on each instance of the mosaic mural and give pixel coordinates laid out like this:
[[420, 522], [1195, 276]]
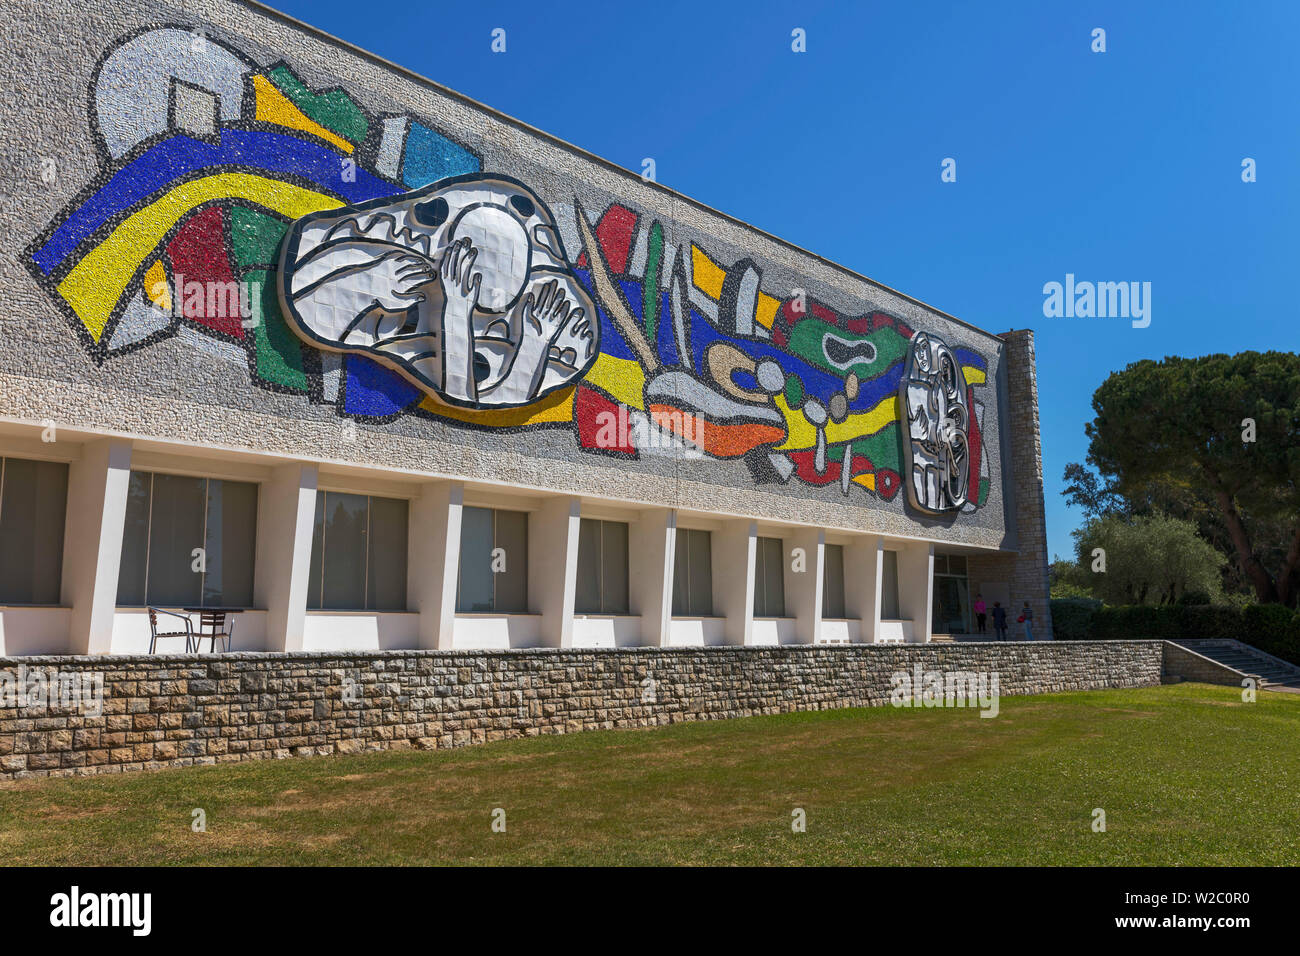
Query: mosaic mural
[[463, 287], [369, 263]]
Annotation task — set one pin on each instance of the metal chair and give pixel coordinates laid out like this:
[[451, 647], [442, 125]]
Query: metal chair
[[214, 625], [188, 633]]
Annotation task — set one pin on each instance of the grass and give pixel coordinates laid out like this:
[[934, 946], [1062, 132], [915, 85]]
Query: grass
[[1187, 774]]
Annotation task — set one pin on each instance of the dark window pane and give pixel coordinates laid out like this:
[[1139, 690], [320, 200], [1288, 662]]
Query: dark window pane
[[386, 588], [512, 542], [31, 530], [760, 557], [889, 587], [940, 564], [701, 573], [681, 573], [135, 541], [474, 591], [231, 532], [317, 555], [587, 599], [344, 573], [956, 564], [614, 588], [176, 530], [774, 578], [951, 606], [833, 582]]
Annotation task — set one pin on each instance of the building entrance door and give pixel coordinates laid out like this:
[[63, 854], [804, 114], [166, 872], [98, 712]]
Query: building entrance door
[[951, 612]]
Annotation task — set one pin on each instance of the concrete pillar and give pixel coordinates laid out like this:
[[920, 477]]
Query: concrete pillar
[[92, 541], [735, 550], [862, 579], [803, 589], [651, 549], [433, 561], [916, 587], [285, 522], [553, 567]]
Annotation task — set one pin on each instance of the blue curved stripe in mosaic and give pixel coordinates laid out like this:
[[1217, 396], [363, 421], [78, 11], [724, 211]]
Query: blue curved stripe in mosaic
[[173, 159]]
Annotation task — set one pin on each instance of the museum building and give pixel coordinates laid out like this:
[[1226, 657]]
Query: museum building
[[302, 337]]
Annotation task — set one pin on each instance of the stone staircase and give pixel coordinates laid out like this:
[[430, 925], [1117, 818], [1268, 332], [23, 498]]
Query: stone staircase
[[1273, 673]]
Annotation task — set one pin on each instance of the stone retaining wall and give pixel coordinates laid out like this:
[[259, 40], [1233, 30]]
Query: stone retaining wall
[[1186, 664], [173, 711]]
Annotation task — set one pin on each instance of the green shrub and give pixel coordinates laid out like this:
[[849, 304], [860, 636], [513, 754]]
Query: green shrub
[[1272, 628], [1072, 618]]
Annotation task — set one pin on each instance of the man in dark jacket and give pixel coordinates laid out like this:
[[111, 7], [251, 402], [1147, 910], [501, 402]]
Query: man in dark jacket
[[1000, 620]]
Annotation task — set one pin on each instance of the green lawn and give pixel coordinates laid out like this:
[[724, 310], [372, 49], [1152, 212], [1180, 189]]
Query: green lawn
[[1187, 774]]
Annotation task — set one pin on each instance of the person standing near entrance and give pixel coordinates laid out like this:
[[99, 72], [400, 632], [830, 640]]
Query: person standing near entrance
[[1000, 620], [1027, 618], [981, 613]]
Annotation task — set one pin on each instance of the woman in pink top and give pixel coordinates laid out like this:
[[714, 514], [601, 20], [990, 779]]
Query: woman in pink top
[[981, 613]]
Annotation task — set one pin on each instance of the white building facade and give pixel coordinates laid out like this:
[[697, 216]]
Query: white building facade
[[297, 334]]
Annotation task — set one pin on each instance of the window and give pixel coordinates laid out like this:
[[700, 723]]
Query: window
[[33, 498], [833, 582], [602, 567], [168, 519], [950, 612], [493, 562], [769, 578], [358, 553], [889, 587], [693, 573]]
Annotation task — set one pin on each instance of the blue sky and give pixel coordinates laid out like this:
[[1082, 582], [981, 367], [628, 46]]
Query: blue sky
[[1115, 166]]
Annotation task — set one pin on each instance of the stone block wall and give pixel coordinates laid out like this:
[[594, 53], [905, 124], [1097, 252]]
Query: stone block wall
[[1026, 570], [174, 711], [1188, 665]]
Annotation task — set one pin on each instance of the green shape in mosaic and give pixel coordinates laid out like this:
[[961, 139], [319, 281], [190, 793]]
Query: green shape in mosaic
[[811, 340], [334, 109], [881, 448], [650, 304], [278, 356], [255, 237], [793, 391]]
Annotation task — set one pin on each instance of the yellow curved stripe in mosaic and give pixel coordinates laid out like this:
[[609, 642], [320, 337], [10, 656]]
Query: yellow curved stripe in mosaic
[[274, 107], [556, 407], [867, 481], [95, 285], [623, 379], [801, 433], [974, 376]]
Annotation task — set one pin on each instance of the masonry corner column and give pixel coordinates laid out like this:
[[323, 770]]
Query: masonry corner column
[[433, 561], [553, 567], [652, 549], [804, 587], [98, 483], [734, 557], [285, 525], [916, 588]]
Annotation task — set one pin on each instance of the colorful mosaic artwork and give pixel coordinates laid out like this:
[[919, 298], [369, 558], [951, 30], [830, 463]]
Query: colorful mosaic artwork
[[489, 307], [463, 287]]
